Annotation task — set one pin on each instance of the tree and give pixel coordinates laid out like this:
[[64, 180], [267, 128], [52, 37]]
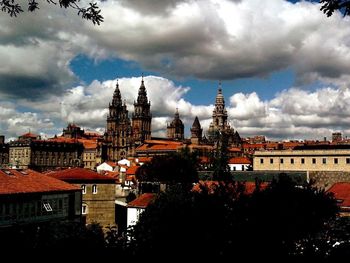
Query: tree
[[223, 220], [220, 158], [53, 234], [329, 6], [92, 12], [170, 169]]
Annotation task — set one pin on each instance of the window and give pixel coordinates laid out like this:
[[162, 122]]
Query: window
[[242, 167], [313, 160], [94, 189], [335, 160], [292, 161], [302, 161], [84, 209], [281, 160], [83, 187], [261, 161], [348, 160], [271, 161], [47, 207], [324, 160]]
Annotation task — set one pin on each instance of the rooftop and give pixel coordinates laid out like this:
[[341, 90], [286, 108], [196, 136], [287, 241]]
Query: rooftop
[[143, 200], [239, 160], [80, 174], [28, 181], [341, 192]]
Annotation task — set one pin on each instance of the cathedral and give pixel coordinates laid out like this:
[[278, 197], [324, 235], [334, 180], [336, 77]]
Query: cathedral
[[123, 135], [219, 125]]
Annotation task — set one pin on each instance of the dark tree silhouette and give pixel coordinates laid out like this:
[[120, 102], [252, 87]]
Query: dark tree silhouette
[[329, 6], [53, 235], [92, 12], [220, 158], [170, 169], [225, 221]]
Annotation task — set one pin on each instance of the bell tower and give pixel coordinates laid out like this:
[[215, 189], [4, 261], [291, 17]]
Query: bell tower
[[142, 117], [118, 133]]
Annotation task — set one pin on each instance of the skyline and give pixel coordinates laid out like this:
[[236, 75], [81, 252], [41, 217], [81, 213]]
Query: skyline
[[284, 66]]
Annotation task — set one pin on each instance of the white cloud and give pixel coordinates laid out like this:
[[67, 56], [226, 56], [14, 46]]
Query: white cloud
[[205, 39], [291, 114]]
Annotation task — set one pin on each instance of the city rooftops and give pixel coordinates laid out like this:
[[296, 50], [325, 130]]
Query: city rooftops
[[14, 181]]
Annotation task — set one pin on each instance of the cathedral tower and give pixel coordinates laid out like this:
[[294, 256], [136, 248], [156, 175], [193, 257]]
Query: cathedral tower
[[219, 123], [141, 118], [196, 132], [118, 136], [176, 128]]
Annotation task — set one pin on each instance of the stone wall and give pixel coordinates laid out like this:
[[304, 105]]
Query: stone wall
[[325, 179], [101, 205]]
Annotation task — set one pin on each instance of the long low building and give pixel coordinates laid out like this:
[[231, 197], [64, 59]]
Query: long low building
[[304, 158]]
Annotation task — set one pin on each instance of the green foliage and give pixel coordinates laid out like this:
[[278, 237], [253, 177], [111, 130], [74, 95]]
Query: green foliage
[[222, 220]]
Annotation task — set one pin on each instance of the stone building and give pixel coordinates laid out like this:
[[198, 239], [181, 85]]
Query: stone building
[[4, 152], [122, 136], [98, 194], [118, 136], [73, 131], [219, 125], [29, 197], [196, 132], [304, 158], [176, 129], [43, 155], [142, 117]]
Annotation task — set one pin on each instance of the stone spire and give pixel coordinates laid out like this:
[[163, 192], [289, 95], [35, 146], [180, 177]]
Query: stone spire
[[117, 99], [219, 122], [141, 118], [142, 96], [196, 132]]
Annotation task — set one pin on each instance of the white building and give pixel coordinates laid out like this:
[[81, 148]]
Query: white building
[[107, 166], [239, 164], [137, 206]]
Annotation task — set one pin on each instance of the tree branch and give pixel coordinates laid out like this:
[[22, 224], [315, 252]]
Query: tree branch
[[92, 12]]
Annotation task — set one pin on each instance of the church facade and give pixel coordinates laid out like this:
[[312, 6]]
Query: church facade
[[123, 135]]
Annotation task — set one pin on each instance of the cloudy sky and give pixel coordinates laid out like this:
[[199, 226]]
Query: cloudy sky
[[284, 66]]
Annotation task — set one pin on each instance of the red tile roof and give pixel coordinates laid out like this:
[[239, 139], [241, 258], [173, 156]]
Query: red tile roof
[[113, 164], [341, 192], [239, 160], [27, 181], [143, 200], [132, 170], [210, 185], [144, 159], [158, 145], [80, 174], [234, 149], [29, 135], [88, 144], [63, 139]]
